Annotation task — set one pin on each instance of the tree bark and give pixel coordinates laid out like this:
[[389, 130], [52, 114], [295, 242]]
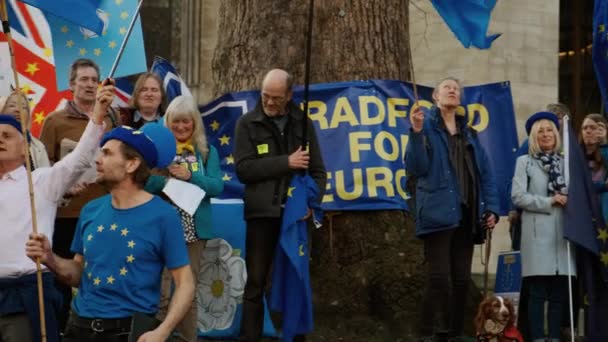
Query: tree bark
[[363, 263], [357, 39]]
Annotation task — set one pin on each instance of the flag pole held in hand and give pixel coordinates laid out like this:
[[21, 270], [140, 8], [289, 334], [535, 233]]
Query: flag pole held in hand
[[123, 45], [311, 9]]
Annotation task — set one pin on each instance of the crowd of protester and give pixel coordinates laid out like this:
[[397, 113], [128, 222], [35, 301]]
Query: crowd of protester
[[99, 174]]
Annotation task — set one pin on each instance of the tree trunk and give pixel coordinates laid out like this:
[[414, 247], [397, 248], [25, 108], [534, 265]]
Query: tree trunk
[[357, 39], [364, 264]]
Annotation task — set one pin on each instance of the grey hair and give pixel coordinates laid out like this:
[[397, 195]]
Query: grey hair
[[450, 78], [184, 106]]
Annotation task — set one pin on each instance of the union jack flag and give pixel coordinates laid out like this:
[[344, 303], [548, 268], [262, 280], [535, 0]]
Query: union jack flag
[[35, 65]]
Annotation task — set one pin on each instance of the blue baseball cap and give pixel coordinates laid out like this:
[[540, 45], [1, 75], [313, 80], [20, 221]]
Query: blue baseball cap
[[136, 139], [164, 141]]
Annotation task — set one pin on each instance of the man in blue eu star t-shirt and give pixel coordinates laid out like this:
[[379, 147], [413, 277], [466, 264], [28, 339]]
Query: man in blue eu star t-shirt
[[122, 242]]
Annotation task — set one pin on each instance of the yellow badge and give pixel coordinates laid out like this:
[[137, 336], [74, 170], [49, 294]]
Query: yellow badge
[[194, 167], [262, 148]]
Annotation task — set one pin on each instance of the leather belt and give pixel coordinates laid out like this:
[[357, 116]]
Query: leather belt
[[100, 325]]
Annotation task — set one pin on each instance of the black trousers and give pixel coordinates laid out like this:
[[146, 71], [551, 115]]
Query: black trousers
[[260, 245], [448, 254], [62, 241]]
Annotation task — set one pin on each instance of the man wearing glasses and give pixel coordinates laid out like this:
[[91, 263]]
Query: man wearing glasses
[[268, 152]]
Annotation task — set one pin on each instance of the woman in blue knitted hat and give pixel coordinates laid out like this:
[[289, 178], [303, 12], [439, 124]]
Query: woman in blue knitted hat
[[539, 189]]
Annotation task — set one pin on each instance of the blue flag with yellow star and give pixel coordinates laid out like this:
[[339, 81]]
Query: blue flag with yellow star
[[71, 42], [79, 12], [582, 214], [291, 291], [468, 20], [584, 226], [600, 46]]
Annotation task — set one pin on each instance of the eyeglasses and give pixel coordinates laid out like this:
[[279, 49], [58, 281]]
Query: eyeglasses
[[275, 99]]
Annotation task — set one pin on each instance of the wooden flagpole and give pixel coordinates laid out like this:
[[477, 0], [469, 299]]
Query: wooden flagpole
[[413, 77], [311, 9], [28, 164]]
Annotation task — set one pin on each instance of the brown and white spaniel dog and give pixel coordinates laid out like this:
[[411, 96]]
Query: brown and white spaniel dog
[[495, 321]]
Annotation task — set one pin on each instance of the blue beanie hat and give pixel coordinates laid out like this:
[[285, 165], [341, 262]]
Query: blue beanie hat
[[540, 116], [136, 139], [7, 119]]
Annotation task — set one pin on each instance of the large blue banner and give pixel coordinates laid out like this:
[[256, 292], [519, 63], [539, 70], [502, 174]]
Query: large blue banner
[[363, 132]]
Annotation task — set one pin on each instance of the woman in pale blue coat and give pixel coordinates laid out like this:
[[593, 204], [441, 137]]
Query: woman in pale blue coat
[[539, 189]]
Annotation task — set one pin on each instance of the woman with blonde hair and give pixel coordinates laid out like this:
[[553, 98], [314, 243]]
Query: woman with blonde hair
[[38, 155], [198, 163], [539, 189]]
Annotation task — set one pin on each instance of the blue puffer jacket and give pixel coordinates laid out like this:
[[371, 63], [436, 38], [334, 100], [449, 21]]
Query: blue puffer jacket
[[437, 194]]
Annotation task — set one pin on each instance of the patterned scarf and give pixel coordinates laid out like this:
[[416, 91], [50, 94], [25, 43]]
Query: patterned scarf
[[551, 165]]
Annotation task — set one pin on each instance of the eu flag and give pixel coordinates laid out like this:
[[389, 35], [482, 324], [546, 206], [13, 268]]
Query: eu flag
[[582, 214], [291, 291], [71, 42], [468, 20], [172, 82], [600, 46], [584, 226], [78, 12]]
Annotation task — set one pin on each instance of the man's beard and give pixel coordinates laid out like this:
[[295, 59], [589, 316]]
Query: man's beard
[[107, 184]]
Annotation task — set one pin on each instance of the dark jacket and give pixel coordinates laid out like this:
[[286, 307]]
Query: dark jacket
[[129, 118], [437, 195], [261, 157]]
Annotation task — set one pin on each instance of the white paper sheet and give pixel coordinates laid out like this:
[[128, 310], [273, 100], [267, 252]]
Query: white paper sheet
[[185, 195]]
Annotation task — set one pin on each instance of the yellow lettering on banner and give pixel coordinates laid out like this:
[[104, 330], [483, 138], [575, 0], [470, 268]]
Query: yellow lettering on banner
[[319, 114], [364, 102], [484, 116], [404, 140], [400, 183], [391, 155], [356, 147], [343, 113], [357, 190], [366, 183], [328, 197], [373, 183], [422, 103], [393, 112], [460, 111]]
